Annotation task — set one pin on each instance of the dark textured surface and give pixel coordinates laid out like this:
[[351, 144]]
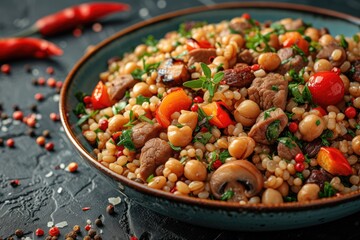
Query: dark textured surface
[[38, 199]]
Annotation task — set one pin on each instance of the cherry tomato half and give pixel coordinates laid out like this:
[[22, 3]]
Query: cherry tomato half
[[292, 38], [326, 88], [100, 97], [192, 44]]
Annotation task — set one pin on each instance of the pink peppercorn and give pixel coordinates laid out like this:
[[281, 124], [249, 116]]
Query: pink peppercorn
[[39, 97], [5, 68], [51, 82], [18, 115], [49, 146], [10, 142]]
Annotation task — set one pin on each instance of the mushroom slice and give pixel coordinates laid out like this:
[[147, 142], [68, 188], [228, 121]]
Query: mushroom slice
[[238, 171]]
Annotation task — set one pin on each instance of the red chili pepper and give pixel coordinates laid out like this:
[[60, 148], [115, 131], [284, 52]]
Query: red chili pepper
[[71, 17], [100, 97], [15, 48], [192, 44]]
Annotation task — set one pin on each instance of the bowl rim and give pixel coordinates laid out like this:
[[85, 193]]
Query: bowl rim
[[204, 203]]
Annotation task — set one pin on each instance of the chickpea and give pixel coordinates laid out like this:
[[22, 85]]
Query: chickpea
[[311, 127], [140, 50], [241, 147], [322, 65], [309, 191], [355, 144], [271, 196], [269, 61], [130, 67], [141, 88], [247, 112], [313, 33], [188, 118], [326, 39], [175, 166], [284, 189], [195, 170], [274, 41], [221, 60], [179, 136], [157, 182], [116, 122]]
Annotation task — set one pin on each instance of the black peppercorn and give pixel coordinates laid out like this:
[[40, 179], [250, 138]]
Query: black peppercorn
[[87, 238], [76, 228], [98, 222], [16, 107], [46, 133], [97, 237], [33, 107], [92, 232], [1, 142], [27, 68], [31, 132]]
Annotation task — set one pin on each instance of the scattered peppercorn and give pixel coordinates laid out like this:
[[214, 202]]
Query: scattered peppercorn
[[51, 82], [16, 107], [48, 238], [59, 84], [73, 166], [10, 142], [41, 81], [92, 232], [34, 82], [76, 228], [39, 232], [87, 227], [1, 106], [18, 115], [49, 146], [71, 235], [39, 97], [54, 231], [50, 70], [19, 233], [54, 116], [40, 141], [10, 238], [85, 208], [31, 132], [5, 68], [46, 133], [31, 121], [15, 183], [98, 222], [27, 68], [110, 209], [4, 116], [69, 238], [33, 107], [87, 238]]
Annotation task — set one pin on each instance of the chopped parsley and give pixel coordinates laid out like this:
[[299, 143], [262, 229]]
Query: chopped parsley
[[227, 195], [141, 99], [203, 137], [327, 134], [287, 141], [80, 109], [328, 191], [267, 112], [299, 52], [86, 117], [126, 140], [203, 120], [275, 88], [300, 97], [224, 155], [186, 27], [143, 118], [343, 41], [301, 176], [272, 131], [351, 133], [118, 107], [150, 41], [174, 147], [356, 38], [317, 122], [259, 42], [278, 28], [147, 68], [150, 178], [206, 82], [131, 119]]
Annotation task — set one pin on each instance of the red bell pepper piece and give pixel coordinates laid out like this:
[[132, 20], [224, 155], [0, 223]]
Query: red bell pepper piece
[[192, 44], [221, 117], [72, 17], [295, 38], [100, 97], [333, 161], [16, 48], [173, 102]]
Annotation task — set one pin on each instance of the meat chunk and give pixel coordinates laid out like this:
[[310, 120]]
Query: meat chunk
[[268, 126], [326, 52], [154, 153], [201, 55], [289, 61], [269, 91], [319, 177], [173, 72], [118, 87], [143, 132], [245, 57], [356, 75], [287, 148], [239, 25], [240, 76]]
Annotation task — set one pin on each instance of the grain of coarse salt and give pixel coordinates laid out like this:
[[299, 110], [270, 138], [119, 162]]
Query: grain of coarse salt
[[4, 129], [60, 189], [28, 238], [56, 97], [50, 224], [114, 200], [61, 224], [62, 166], [49, 174]]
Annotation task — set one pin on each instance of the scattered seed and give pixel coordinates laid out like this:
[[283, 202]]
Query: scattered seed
[[63, 223], [31, 132], [114, 200], [1, 142], [39, 97], [19, 233], [46, 133], [41, 81], [59, 84], [97, 237], [16, 107], [27, 68], [51, 82], [72, 235], [98, 222], [33, 107], [18, 115], [4, 116], [87, 238], [54, 231], [6, 68], [76, 228], [87, 227], [77, 32], [34, 82], [49, 174], [86, 208], [97, 27], [110, 209], [31, 122], [54, 116], [49, 146], [15, 183], [10, 142]]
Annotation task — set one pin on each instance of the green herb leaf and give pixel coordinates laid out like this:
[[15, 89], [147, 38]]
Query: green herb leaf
[[206, 70], [131, 120], [328, 191], [186, 27], [356, 38], [327, 134], [86, 117], [317, 122], [143, 118], [126, 140], [151, 41], [218, 77], [118, 107], [300, 52], [351, 132], [150, 178], [193, 83], [267, 112], [259, 42], [301, 176], [272, 131], [203, 138], [147, 68], [288, 142], [278, 28], [224, 155], [343, 41], [203, 120], [141, 99], [80, 109], [275, 88], [174, 147], [227, 195], [299, 97], [80, 96]]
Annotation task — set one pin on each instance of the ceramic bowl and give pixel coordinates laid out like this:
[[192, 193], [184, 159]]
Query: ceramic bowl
[[215, 214]]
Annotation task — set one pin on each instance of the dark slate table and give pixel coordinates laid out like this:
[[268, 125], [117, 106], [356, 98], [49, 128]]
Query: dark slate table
[[48, 193]]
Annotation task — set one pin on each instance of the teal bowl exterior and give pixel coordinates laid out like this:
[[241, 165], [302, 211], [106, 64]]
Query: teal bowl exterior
[[208, 213]]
